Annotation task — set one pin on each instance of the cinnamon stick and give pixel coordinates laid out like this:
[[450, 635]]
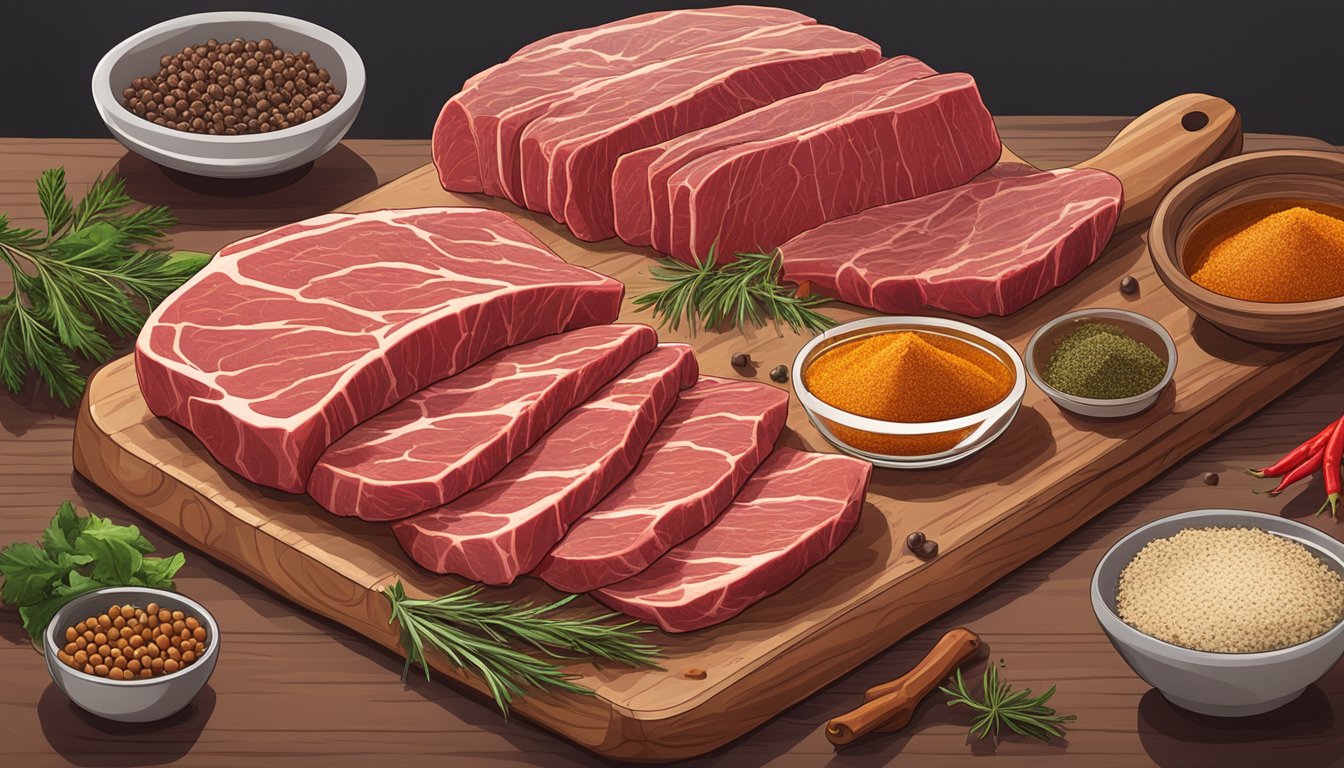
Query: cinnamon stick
[[889, 706]]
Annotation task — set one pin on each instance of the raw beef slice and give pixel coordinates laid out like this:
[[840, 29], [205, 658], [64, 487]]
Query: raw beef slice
[[455, 434], [718, 433], [475, 140], [639, 186], [987, 248], [921, 137], [789, 516], [503, 528], [288, 339], [570, 153]]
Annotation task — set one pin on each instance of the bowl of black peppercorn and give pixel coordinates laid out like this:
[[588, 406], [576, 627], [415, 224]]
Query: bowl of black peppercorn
[[231, 94]]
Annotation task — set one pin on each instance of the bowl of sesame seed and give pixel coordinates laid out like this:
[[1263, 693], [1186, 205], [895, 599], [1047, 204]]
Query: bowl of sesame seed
[[230, 94], [1225, 612]]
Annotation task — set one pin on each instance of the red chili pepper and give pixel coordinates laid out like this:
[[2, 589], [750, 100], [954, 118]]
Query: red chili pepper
[[1302, 470], [1299, 454], [1330, 460]]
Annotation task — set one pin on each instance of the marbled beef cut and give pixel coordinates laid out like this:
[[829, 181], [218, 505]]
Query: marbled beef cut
[[639, 187], [570, 153], [475, 140], [793, 512], [908, 140], [989, 247], [456, 433], [288, 339], [502, 528], [718, 433]]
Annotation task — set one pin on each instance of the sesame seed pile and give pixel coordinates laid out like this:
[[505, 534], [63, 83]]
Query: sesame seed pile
[[1229, 590]]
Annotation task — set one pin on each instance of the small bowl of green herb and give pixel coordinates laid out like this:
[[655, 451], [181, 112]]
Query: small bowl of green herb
[[1103, 363]]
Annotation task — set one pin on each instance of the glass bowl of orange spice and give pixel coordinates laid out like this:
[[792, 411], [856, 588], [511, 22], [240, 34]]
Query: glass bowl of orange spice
[[909, 392], [1255, 245]]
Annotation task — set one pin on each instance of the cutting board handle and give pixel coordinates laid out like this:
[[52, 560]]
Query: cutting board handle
[[1166, 144]]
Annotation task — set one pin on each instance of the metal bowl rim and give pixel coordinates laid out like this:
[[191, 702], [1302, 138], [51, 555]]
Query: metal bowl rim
[[50, 645]]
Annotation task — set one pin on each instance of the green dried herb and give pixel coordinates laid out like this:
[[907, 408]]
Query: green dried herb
[[1101, 361]]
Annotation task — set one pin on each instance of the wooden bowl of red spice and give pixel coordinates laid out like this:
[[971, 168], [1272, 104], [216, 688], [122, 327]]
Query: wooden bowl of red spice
[[1255, 245], [909, 392]]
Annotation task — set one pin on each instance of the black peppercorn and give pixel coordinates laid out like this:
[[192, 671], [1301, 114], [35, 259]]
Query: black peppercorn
[[1210, 478], [741, 360], [928, 551], [1129, 286], [914, 541], [196, 89], [779, 373]]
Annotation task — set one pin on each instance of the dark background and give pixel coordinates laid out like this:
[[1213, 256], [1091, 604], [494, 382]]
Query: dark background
[[1278, 61]]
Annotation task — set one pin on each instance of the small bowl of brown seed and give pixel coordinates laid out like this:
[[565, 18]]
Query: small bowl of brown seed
[[231, 94], [131, 654]]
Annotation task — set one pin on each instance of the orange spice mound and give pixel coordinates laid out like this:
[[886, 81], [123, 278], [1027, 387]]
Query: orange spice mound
[[1295, 254], [907, 376]]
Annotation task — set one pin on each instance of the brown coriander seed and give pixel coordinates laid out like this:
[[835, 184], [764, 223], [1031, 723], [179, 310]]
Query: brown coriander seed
[[1210, 478]]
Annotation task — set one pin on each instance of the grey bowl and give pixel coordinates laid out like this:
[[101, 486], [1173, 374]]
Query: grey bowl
[[1145, 329], [130, 701], [1221, 684], [250, 156]]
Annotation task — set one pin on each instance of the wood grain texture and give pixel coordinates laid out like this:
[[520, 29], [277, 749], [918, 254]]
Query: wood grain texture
[[296, 690], [1048, 474]]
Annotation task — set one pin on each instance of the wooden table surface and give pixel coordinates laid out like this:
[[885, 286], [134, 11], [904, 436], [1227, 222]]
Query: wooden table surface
[[293, 689]]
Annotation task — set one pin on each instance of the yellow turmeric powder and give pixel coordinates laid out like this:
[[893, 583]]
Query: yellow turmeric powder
[[1271, 251], [907, 376]]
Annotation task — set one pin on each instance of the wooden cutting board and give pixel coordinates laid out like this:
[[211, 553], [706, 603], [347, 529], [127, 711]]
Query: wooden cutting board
[[1046, 476]]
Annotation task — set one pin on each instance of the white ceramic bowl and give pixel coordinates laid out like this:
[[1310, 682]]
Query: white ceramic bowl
[[982, 428], [130, 701], [1220, 684], [1144, 329], [251, 156]]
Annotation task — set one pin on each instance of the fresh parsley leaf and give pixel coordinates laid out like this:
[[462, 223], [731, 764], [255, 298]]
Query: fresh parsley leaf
[[64, 530], [36, 616], [79, 553], [158, 572], [77, 584], [89, 279], [29, 573], [116, 550]]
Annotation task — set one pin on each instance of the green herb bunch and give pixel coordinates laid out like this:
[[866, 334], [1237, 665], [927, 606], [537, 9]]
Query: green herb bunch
[[78, 554], [487, 638], [1000, 706], [746, 291], [87, 279]]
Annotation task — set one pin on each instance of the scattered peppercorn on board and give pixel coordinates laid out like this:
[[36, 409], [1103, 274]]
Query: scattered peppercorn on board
[[1045, 477]]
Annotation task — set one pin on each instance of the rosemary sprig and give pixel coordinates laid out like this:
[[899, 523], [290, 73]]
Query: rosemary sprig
[[747, 290], [1001, 706], [94, 268], [481, 637]]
